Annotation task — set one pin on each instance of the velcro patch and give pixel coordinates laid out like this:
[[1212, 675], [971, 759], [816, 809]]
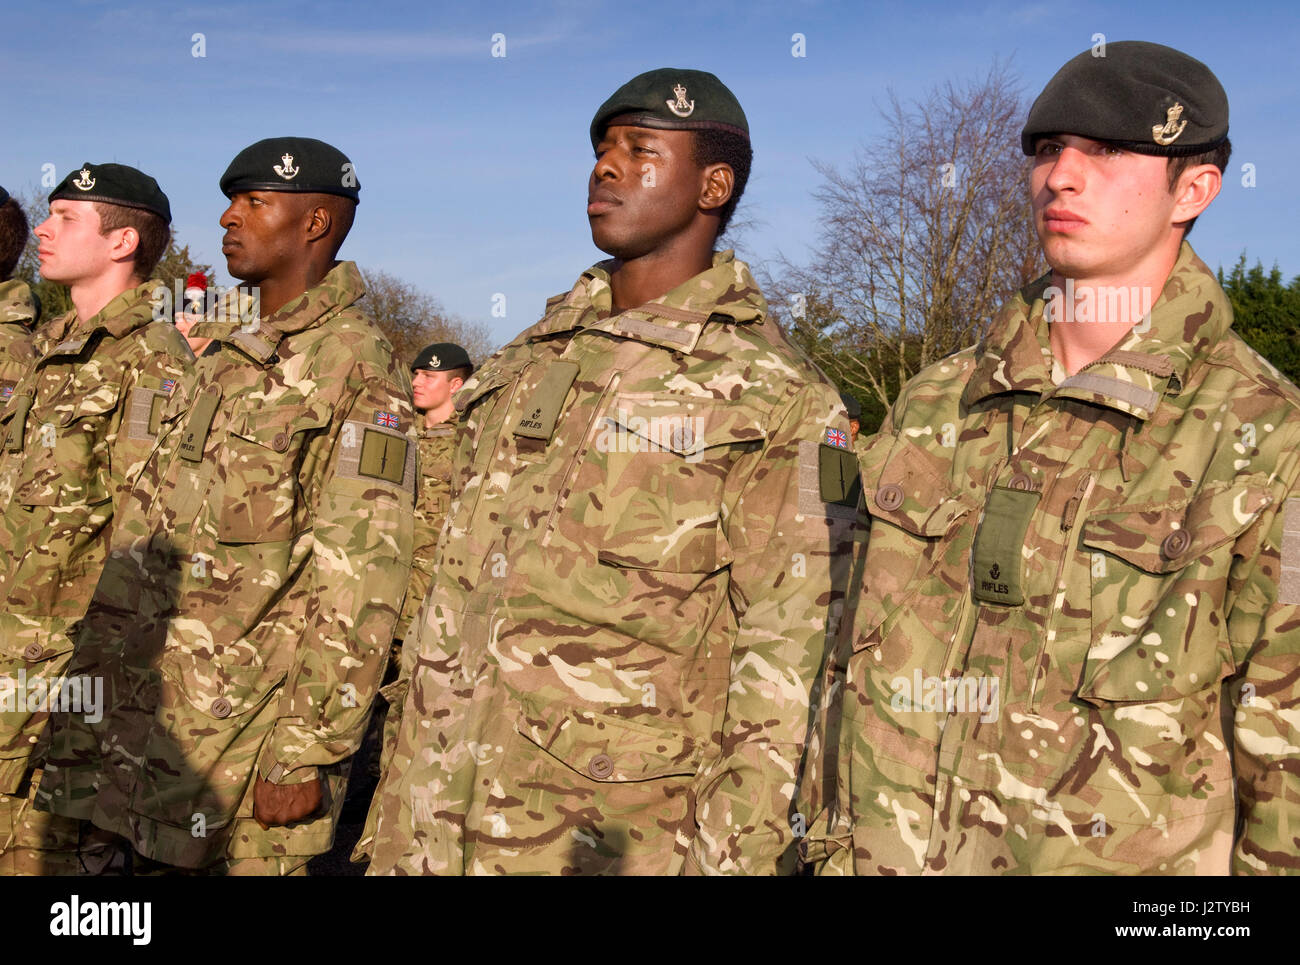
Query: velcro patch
[[368, 452], [997, 556], [18, 424], [838, 478], [1288, 590], [383, 456], [144, 413], [537, 421], [823, 472], [195, 435]]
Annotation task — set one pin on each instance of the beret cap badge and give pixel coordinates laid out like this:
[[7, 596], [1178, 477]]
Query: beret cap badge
[[85, 182], [681, 107], [1169, 131], [287, 170]]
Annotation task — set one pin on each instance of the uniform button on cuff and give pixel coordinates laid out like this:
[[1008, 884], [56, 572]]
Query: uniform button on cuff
[[889, 497], [601, 766]]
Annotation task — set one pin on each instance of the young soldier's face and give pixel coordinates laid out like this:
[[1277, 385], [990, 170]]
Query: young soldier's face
[[1100, 211], [644, 190], [432, 389], [71, 248]]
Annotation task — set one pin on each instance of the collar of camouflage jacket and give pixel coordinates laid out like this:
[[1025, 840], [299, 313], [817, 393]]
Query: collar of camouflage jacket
[[1186, 321], [674, 320], [17, 303], [132, 309], [341, 287]]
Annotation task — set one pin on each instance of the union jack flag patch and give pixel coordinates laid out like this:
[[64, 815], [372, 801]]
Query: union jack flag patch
[[386, 419], [168, 385], [6, 392], [837, 438]]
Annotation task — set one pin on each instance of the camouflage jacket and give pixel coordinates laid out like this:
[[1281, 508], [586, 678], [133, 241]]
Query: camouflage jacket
[[77, 430], [18, 316], [244, 619], [630, 603], [1079, 620], [431, 502]]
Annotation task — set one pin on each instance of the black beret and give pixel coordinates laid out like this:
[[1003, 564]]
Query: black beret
[[291, 164], [851, 406], [1140, 96], [673, 99], [114, 184], [441, 357], [4, 195]]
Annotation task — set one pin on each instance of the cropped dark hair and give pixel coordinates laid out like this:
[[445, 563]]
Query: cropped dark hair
[[13, 236], [723, 147]]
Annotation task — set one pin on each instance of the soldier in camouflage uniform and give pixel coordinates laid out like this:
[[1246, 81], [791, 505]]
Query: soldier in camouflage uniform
[[78, 428], [1078, 636], [19, 310], [630, 603], [244, 620], [438, 372]]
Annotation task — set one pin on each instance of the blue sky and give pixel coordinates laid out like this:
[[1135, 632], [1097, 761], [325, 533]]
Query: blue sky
[[473, 168]]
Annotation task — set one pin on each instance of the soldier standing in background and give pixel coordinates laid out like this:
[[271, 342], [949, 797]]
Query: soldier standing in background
[[19, 311], [78, 428], [245, 618], [634, 588], [1077, 646], [437, 373]]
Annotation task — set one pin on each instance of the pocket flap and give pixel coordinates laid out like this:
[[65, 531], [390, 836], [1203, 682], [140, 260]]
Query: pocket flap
[[683, 424], [220, 692], [910, 487], [275, 427], [1144, 535], [608, 749]]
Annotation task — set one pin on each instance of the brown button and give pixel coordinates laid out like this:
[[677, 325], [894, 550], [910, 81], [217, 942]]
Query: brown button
[[280, 442], [1176, 544], [601, 766], [33, 651], [220, 707], [1022, 482], [889, 497], [683, 438]]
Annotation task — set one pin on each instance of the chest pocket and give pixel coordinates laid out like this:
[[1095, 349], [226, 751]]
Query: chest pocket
[[65, 449], [916, 566], [1159, 576], [258, 493], [666, 464]]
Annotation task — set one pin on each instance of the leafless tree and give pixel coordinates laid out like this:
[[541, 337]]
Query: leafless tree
[[921, 239], [412, 319]]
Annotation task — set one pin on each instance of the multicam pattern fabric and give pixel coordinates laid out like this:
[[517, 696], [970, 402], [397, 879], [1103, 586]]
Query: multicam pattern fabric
[[631, 599], [243, 621], [436, 448], [18, 313], [76, 434], [1100, 725]]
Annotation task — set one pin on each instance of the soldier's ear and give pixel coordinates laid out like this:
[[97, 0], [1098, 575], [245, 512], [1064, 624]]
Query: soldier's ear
[[1195, 189], [719, 182], [319, 222]]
